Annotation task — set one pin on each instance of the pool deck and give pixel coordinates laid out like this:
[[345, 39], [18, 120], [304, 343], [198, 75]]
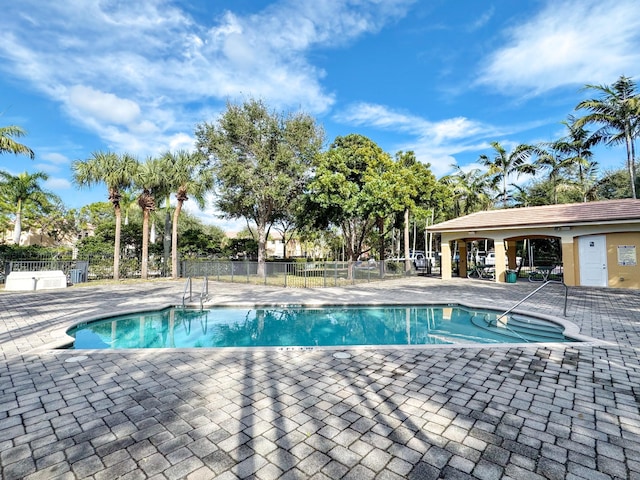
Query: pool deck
[[484, 412]]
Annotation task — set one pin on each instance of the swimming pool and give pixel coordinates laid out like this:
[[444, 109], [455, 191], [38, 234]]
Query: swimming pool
[[294, 326]]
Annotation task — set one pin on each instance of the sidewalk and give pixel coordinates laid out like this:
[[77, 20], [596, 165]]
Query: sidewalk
[[483, 412]]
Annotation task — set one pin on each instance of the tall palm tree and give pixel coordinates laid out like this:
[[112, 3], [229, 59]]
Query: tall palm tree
[[116, 172], [188, 177], [166, 234], [617, 110], [9, 145], [21, 190], [151, 179], [505, 164]]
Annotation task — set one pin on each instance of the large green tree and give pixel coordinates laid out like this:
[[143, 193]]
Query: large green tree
[[614, 184], [350, 189], [412, 186], [187, 175], [617, 111], [204, 241], [117, 173], [21, 191], [8, 144], [261, 162]]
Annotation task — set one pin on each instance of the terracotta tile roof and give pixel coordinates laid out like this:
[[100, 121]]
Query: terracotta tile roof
[[607, 211]]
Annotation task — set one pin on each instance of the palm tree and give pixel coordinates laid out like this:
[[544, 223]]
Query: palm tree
[[576, 146], [116, 172], [9, 145], [520, 196], [617, 110], [150, 178], [590, 182], [127, 200], [187, 177], [469, 190], [505, 164], [166, 234], [22, 190], [553, 161]]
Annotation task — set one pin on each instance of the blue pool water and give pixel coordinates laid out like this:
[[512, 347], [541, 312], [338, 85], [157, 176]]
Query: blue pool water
[[311, 327]]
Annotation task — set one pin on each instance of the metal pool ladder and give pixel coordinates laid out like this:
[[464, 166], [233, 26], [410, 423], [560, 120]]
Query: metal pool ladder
[[203, 295]]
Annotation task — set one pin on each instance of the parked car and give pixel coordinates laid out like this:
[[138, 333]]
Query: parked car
[[490, 260], [425, 261], [420, 259]]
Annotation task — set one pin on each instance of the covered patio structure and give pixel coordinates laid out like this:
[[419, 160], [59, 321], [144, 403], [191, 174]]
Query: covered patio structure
[[599, 240]]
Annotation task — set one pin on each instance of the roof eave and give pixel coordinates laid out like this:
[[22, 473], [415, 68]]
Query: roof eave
[[470, 228]]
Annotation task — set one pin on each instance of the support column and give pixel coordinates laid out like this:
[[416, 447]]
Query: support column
[[569, 261], [511, 254], [445, 259], [462, 264], [498, 245]]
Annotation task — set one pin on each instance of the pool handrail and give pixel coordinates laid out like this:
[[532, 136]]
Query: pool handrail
[[184, 293], [566, 293], [204, 295], [489, 324]]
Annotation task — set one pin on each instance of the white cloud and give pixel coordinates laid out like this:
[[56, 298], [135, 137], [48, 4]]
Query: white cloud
[[433, 142], [54, 183], [482, 20], [568, 43], [382, 117], [56, 158], [124, 69], [46, 167], [103, 107], [182, 141]]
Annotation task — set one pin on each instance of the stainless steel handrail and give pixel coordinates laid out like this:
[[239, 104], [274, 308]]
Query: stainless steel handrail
[[205, 292], [489, 324], [184, 293], [566, 294], [203, 295]]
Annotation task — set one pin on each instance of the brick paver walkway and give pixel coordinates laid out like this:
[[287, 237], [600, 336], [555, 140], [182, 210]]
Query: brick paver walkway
[[483, 412]]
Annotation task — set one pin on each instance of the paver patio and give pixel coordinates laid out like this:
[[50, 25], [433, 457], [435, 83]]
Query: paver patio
[[484, 412]]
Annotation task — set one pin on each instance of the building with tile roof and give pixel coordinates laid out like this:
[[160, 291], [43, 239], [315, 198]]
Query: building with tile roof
[[599, 240]]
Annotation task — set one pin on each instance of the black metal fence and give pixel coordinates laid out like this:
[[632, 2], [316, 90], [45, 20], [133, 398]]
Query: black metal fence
[[287, 274], [294, 274]]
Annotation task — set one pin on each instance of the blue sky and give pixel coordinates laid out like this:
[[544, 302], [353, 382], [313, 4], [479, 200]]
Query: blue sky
[[438, 77]]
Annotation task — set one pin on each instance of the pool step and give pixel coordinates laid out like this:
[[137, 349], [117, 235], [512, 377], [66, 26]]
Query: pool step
[[518, 327]]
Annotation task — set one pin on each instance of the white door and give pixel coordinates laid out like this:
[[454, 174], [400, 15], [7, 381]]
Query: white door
[[593, 261]]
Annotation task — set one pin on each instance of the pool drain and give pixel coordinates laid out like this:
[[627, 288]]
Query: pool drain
[[341, 355], [79, 358]]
